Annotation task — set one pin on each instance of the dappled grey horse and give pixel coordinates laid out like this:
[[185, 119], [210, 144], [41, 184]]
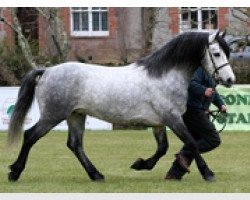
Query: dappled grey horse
[[151, 92]]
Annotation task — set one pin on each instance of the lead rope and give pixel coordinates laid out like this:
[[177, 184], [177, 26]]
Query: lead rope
[[216, 114]]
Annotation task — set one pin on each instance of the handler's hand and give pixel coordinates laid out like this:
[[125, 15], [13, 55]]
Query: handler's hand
[[223, 109], [209, 92]]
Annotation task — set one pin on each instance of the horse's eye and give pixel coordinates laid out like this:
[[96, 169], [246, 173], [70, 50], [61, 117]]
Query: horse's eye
[[216, 54]]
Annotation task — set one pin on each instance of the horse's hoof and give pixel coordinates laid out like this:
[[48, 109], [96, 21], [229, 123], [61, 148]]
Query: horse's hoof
[[141, 164], [138, 164], [209, 176], [169, 177], [13, 176], [98, 177]]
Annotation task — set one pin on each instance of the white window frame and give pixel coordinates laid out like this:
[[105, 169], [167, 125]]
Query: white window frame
[[90, 32], [199, 19]]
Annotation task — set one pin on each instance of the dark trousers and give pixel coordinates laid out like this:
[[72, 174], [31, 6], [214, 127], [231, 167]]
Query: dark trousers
[[203, 131]]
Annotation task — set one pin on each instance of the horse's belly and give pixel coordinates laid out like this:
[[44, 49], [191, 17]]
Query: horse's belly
[[141, 115]]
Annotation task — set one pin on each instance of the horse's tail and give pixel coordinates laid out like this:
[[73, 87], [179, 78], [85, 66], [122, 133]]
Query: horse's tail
[[23, 104]]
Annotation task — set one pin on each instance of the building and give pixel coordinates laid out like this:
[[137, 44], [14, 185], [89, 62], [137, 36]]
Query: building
[[116, 35]]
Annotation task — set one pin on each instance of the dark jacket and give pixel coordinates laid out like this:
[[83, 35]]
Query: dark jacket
[[196, 91]]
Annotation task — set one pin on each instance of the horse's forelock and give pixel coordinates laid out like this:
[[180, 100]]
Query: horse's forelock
[[224, 46]]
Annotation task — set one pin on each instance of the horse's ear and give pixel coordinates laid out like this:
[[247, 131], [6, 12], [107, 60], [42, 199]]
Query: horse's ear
[[223, 34], [213, 36]]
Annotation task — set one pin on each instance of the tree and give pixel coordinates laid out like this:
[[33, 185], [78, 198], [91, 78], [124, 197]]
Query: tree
[[123, 46], [22, 41], [148, 23], [55, 31]]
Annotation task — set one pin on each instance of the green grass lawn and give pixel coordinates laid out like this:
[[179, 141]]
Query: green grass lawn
[[52, 167]]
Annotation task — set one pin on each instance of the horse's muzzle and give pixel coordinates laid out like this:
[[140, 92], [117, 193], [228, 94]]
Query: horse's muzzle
[[228, 83]]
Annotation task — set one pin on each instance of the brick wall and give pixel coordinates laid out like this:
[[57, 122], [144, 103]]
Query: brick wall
[[8, 32], [42, 35], [94, 49], [174, 23], [223, 18]]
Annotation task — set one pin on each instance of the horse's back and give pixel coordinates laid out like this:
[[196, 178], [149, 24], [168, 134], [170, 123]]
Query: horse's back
[[125, 95], [109, 93]]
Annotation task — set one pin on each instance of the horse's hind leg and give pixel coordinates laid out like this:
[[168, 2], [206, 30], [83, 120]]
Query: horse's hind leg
[[31, 136], [162, 146], [76, 123]]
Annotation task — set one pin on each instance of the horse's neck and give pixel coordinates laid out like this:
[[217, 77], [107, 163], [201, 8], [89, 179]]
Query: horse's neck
[[180, 75]]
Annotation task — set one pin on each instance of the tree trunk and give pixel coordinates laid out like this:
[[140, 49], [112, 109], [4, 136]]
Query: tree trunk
[[122, 34], [148, 22], [22, 41], [248, 21], [56, 31]]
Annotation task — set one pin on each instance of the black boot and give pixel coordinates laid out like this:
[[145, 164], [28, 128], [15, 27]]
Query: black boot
[[177, 171]]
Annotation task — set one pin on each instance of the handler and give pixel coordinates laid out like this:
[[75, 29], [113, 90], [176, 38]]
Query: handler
[[201, 93]]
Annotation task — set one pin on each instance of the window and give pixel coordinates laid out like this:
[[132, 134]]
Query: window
[[89, 21], [198, 18]]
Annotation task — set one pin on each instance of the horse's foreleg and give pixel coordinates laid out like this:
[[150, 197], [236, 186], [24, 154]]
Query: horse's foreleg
[[31, 136], [182, 132], [76, 123], [162, 146]]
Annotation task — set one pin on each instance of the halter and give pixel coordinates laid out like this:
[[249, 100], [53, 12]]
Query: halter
[[216, 69]]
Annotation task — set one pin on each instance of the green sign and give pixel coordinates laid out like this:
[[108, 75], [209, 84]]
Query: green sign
[[237, 100]]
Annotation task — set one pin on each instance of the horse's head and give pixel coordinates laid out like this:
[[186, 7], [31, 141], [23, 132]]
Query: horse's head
[[216, 60]]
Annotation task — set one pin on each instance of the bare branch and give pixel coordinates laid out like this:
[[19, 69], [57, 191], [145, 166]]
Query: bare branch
[[2, 19], [56, 30], [43, 13], [22, 41]]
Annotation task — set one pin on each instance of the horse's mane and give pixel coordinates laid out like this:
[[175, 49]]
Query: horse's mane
[[186, 49]]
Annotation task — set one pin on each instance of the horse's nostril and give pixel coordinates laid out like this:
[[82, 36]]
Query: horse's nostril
[[229, 81]]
